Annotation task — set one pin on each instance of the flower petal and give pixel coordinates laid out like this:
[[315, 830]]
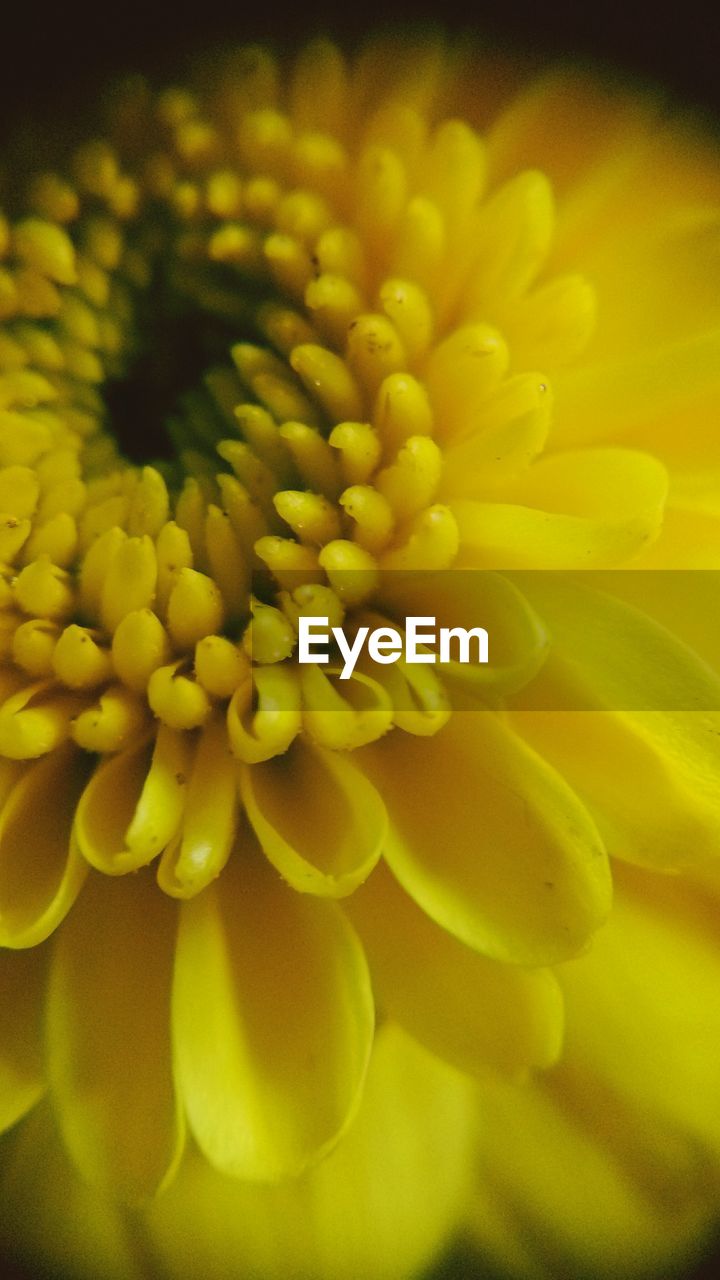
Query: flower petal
[[645, 684], [472, 598], [490, 841], [561, 1198], [382, 1204], [22, 985], [689, 539], [37, 891], [659, 284], [481, 463], [51, 1215], [108, 1028], [588, 509], [474, 1012], [133, 804], [272, 1022], [514, 233], [196, 857], [649, 392], [319, 820], [643, 1014], [566, 123]]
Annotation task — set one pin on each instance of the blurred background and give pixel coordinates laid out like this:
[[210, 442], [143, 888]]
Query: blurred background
[[57, 54], [56, 57]]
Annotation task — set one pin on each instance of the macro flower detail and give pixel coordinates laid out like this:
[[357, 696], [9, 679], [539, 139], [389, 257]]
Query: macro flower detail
[[345, 342]]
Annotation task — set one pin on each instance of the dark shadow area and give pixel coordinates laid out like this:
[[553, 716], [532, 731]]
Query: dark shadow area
[[457, 1265], [176, 346], [61, 53]]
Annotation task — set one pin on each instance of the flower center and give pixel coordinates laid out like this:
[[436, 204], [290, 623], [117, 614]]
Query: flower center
[[295, 475], [289, 325]]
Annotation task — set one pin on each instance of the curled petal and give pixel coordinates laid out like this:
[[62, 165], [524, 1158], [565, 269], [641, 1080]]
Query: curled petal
[[519, 641], [260, 731], [41, 870], [344, 716], [36, 720], [420, 701], [133, 804], [319, 820], [199, 853], [116, 719]]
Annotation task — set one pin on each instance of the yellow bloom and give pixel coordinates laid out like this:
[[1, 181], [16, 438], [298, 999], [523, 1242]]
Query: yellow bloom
[[350, 301]]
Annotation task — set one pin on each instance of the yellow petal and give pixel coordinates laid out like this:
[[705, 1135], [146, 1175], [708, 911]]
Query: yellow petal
[[482, 463], [490, 841], [108, 1033], [585, 510], [420, 701], [116, 719], [566, 123], [643, 1014], [272, 1022], [319, 89], [462, 373], [518, 638], [266, 729], [319, 820], [558, 1196], [75, 1222], [344, 716], [552, 325], [621, 697], [454, 174], [473, 1012], [514, 233], [195, 608], [41, 872], [162, 800], [133, 804], [657, 284], [404, 1168], [430, 542], [47, 248], [130, 580], [37, 719], [648, 392], [14, 534], [22, 987], [210, 813], [176, 698]]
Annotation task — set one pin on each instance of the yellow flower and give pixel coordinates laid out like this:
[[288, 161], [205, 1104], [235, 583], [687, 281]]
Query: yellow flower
[[343, 311]]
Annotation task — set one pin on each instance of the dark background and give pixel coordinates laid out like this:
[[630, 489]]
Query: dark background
[[54, 58], [55, 55]]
